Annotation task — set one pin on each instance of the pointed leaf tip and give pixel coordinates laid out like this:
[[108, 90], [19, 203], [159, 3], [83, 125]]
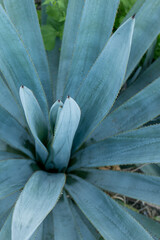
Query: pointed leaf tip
[[133, 15]]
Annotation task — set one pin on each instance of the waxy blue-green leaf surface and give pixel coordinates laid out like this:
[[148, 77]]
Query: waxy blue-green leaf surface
[[65, 131], [144, 79], [13, 175], [94, 31], [64, 222], [104, 213], [146, 30], [8, 102], [18, 69], [135, 112], [82, 228], [98, 91], [134, 147], [53, 113], [134, 185], [24, 17], [150, 225], [36, 120], [13, 134], [37, 199], [74, 13]]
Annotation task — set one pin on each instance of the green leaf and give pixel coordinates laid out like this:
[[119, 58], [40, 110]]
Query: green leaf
[[64, 133], [48, 228], [147, 28], [49, 36], [13, 134], [4, 155], [13, 175], [104, 213], [37, 199], [24, 17], [134, 147], [132, 114], [92, 97], [18, 69], [74, 13], [36, 121], [64, 224], [94, 31], [133, 185]]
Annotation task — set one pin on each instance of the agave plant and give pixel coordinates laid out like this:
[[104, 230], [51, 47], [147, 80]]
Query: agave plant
[[59, 124]]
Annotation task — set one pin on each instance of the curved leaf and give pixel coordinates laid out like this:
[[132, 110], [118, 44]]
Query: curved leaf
[[74, 12], [147, 77], [134, 185], [64, 225], [37, 199], [146, 28], [138, 146], [23, 15], [97, 92], [8, 102], [132, 114], [53, 114], [94, 31], [18, 69], [13, 134], [104, 213], [36, 121], [150, 225], [80, 225], [13, 175], [65, 130]]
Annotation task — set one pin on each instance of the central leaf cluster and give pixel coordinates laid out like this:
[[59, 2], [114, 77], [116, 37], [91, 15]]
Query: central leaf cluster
[[53, 134]]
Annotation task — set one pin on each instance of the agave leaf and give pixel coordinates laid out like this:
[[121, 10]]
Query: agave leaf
[[5, 232], [151, 169], [80, 225], [48, 228], [1, 2], [149, 55], [53, 60], [99, 209], [150, 225], [53, 114], [18, 69], [147, 27], [98, 91], [5, 207], [37, 199], [13, 134], [74, 12], [24, 17], [64, 224], [134, 113], [138, 4], [145, 78], [36, 121], [8, 102], [43, 13], [134, 185], [4, 155], [138, 146], [13, 175], [65, 130], [94, 31]]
